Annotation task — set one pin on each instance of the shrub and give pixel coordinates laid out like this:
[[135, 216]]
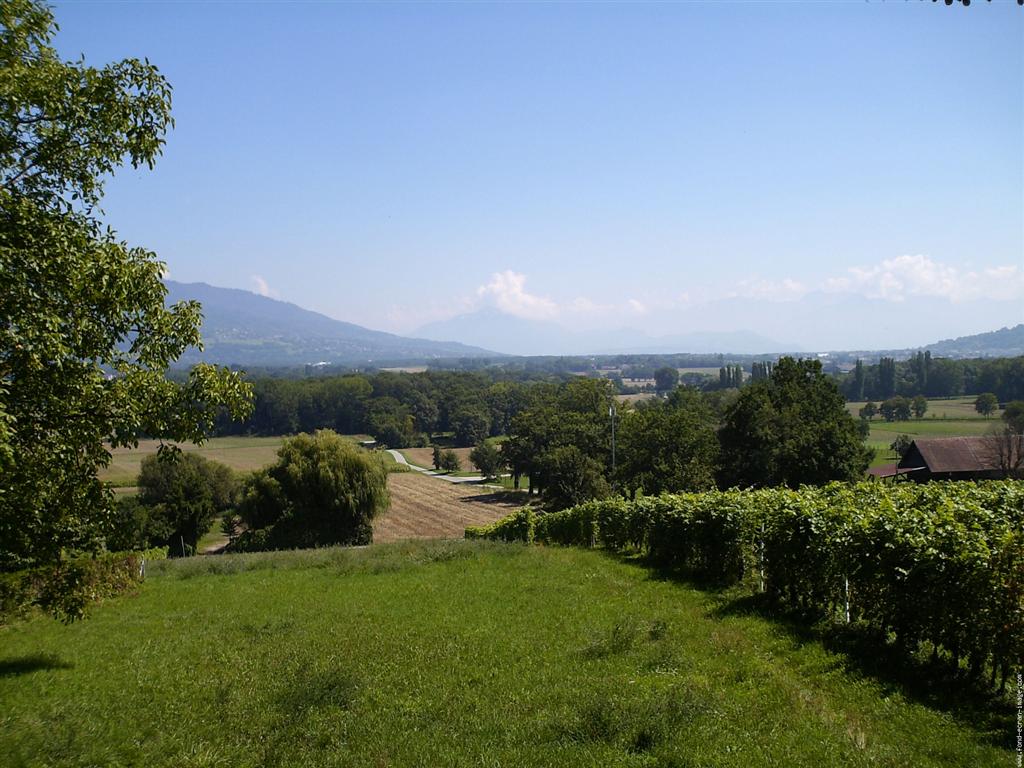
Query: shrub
[[450, 461], [66, 589], [519, 526]]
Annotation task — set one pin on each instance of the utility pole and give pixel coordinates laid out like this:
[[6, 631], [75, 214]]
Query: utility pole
[[611, 415]]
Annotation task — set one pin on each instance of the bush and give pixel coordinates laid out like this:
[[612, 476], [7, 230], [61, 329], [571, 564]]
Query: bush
[[66, 589], [450, 461], [519, 526], [322, 490]]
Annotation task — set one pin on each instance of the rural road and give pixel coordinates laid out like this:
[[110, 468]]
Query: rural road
[[401, 460]]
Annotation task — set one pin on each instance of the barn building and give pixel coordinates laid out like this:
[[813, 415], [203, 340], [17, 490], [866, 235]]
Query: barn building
[[962, 458]]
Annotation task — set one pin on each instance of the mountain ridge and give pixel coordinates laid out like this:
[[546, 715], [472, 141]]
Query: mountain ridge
[[244, 328]]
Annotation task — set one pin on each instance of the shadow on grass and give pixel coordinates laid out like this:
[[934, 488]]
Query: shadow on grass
[[23, 665], [508, 498], [863, 652]]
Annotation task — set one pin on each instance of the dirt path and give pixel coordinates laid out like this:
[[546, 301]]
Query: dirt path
[[422, 508]]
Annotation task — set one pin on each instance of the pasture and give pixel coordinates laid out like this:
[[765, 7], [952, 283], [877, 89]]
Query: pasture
[[242, 454], [455, 654], [883, 433], [940, 408]]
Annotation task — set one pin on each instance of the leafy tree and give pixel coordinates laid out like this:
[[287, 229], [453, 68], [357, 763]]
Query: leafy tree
[[668, 447], [919, 405], [450, 461], [471, 426], [85, 338], [571, 477], [391, 424], [322, 490], [789, 430], [901, 445], [183, 495], [488, 459], [868, 411], [1013, 416], [666, 379], [886, 377], [437, 457], [986, 404], [895, 409]]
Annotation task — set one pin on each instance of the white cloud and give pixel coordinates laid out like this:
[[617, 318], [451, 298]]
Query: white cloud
[[508, 293], [904, 276], [636, 307], [262, 288]]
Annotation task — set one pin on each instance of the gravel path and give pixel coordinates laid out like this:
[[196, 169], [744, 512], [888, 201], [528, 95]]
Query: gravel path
[[401, 460]]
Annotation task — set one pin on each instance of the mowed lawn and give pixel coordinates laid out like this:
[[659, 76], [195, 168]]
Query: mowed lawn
[[450, 654]]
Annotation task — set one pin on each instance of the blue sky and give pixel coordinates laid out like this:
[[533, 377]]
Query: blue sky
[[674, 167]]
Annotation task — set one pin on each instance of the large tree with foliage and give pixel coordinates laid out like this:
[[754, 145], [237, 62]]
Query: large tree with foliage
[[85, 338], [322, 490], [668, 446], [791, 429], [182, 497]]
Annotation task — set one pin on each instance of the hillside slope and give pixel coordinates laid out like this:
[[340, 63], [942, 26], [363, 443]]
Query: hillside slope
[[244, 328]]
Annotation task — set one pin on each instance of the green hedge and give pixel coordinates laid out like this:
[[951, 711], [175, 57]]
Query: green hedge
[[940, 563], [519, 526], [66, 589]]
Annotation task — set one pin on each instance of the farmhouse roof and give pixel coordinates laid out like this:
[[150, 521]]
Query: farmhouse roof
[[958, 454]]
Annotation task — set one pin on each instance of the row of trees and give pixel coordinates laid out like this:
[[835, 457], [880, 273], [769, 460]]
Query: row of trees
[[397, 409], [935, 377], [788, 429], [402, 410]]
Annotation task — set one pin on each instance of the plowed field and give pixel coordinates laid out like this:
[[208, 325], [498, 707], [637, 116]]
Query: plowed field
[[427, 508]]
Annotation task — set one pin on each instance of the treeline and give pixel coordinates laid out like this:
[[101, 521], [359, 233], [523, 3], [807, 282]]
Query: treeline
[[788, 429], [931, 376], [936, 565], [398, 409]]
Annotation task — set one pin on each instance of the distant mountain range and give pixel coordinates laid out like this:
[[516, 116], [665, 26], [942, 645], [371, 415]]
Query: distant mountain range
[[517, 336], [1002, 343], [246, 329]]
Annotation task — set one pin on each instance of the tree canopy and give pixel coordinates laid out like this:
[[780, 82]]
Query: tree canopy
[[85, 338], [322, 490], [790, 429]]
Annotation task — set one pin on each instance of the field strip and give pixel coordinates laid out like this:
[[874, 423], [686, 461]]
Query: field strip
[[422, 508]]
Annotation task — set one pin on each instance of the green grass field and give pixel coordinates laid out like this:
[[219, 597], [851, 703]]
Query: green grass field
[[453, 654], [954, 417], [940, 408], [883, 433]]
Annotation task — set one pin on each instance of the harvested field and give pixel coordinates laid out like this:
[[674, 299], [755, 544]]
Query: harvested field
[[424, 457], [426, 508]]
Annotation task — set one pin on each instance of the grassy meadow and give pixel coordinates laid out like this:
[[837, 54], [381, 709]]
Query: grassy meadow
[[450, 654], [954, 417]]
